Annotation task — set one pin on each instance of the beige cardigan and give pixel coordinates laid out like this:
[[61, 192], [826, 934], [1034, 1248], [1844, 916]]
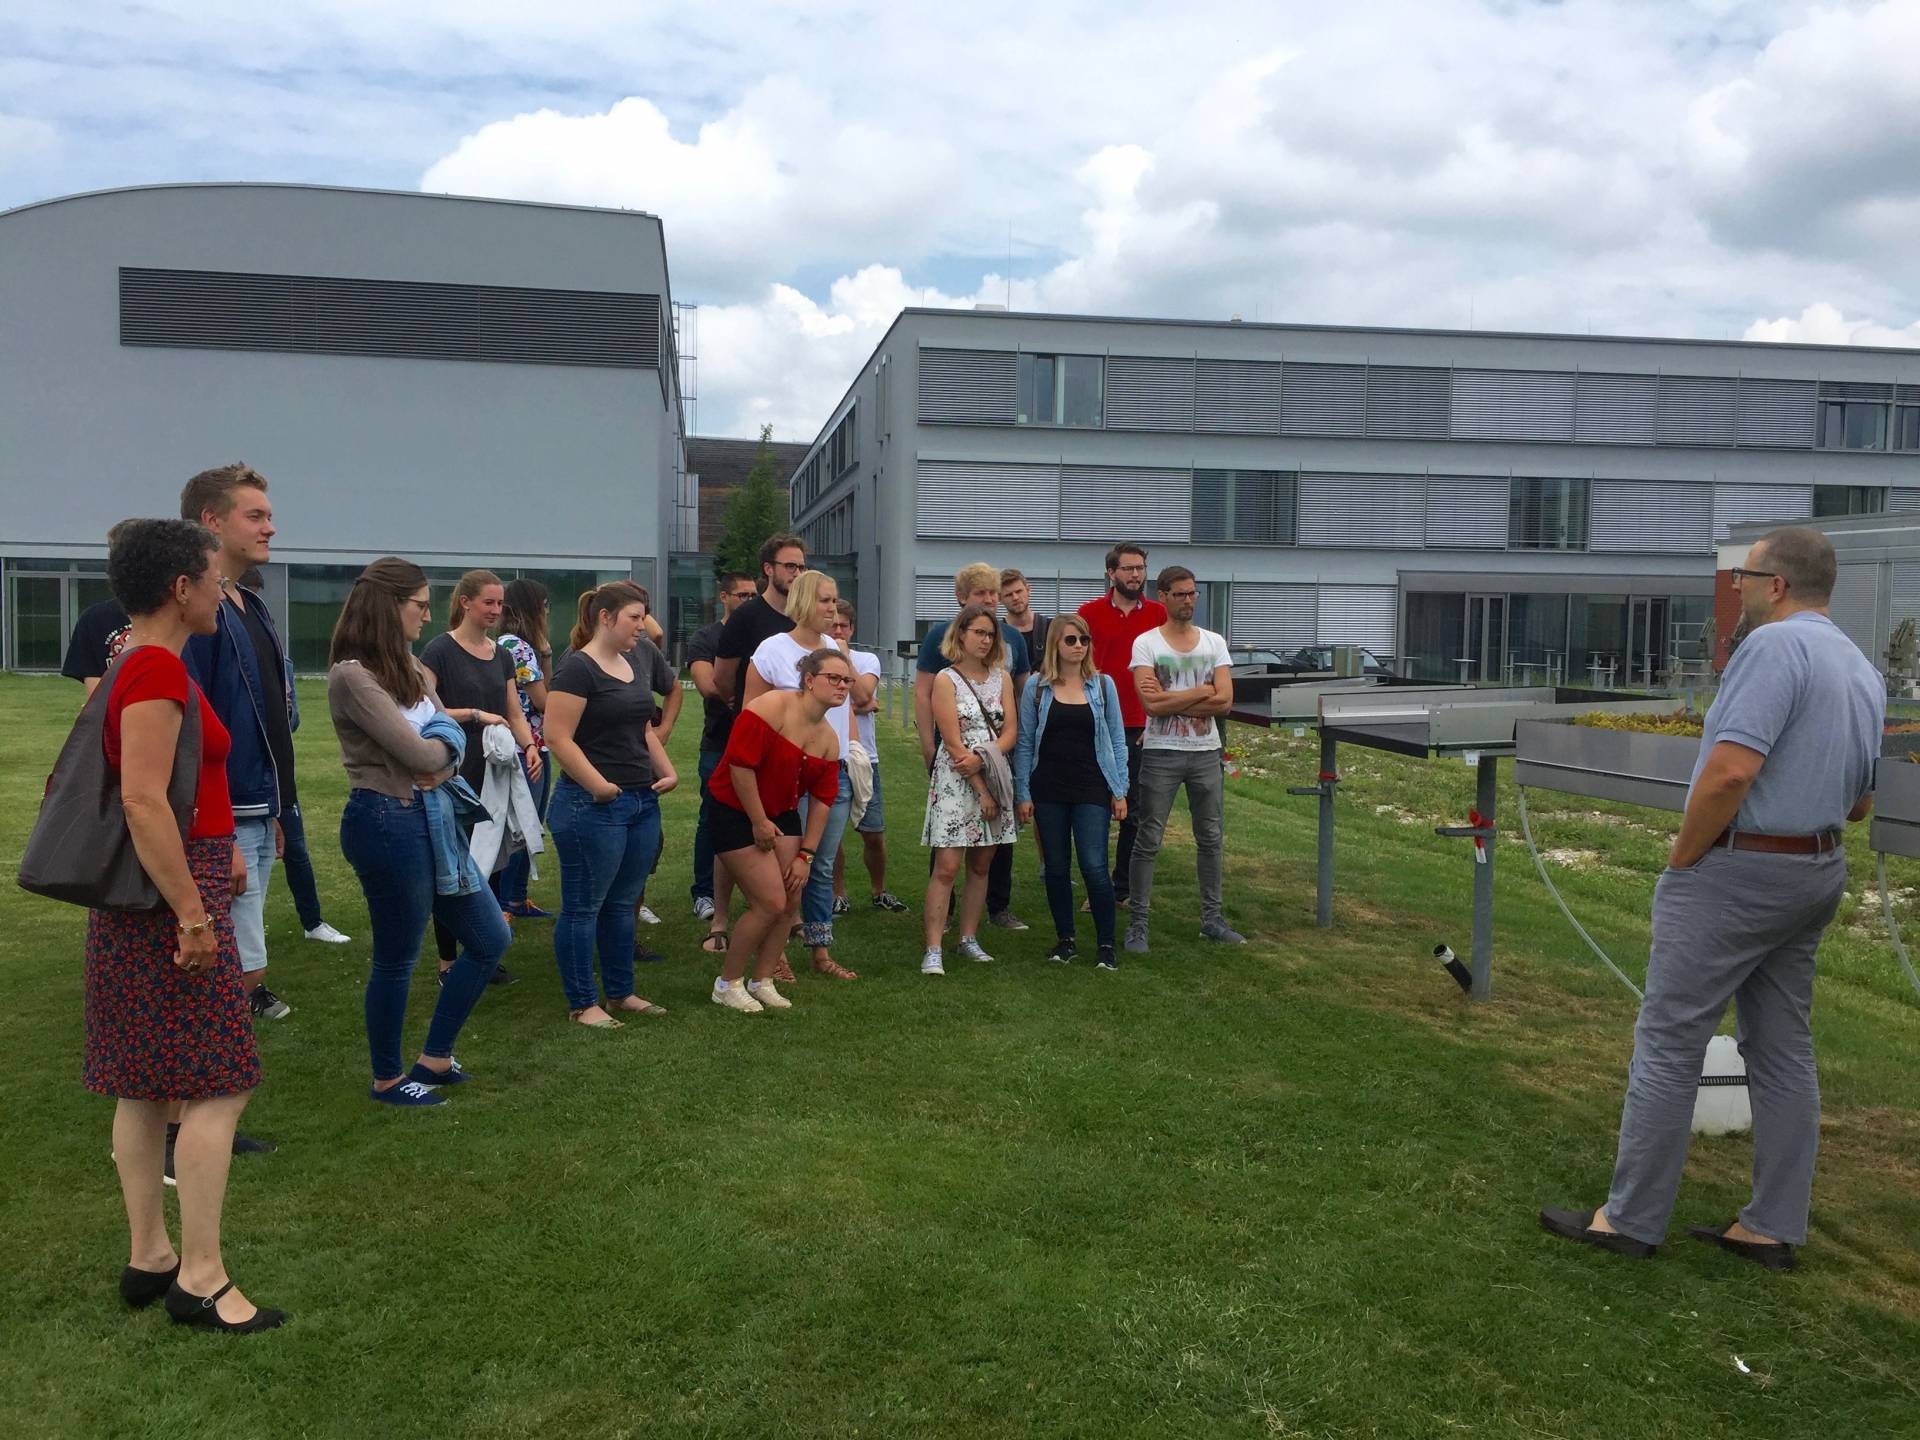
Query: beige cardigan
[[378, 744]]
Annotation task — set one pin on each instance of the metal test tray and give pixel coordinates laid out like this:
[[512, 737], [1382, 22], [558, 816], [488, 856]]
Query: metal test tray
[[1635, 769]]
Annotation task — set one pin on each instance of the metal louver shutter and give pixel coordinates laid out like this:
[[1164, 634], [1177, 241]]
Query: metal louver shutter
[[1779, 413], [1237, 397], [1697, 409], [1743, 504], [1149, 393], [1156, 503], [1651, 515], [1276, 617], [1385, 512], [1513, 405], [1903, 597], [1075, 593], [1906, 394], [1358, 615], [1409, 401], [1615, 409], [967, 387], [933, 597], [1244, 507], [1903, 501], [1855, 390], [1855, 606], [1468, 512], [974, 499], [1324, 399]]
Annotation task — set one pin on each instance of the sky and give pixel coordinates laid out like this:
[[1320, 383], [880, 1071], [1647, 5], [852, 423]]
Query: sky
[[1700, 168]]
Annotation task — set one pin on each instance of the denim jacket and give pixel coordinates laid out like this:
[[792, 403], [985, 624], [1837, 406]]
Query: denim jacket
[[226, 667], [454, 872], [1110, 736]]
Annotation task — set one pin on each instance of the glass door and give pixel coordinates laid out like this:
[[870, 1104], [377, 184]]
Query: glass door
[[39, 620], [1485, 656], [1647, 640]]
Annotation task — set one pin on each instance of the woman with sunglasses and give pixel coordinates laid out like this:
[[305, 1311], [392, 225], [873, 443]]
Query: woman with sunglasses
[[1070, 777]]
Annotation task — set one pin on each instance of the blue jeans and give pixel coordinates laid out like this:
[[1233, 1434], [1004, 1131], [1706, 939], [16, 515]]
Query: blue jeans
[[702, 888], [605, 854], [385, 840], [299, 867], [1085, 826], [253, 838], [816, 901], [510, 881]]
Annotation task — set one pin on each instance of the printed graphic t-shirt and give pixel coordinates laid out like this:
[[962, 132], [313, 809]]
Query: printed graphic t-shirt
[[1177, 670]]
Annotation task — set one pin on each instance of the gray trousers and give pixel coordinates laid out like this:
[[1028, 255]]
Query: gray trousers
[[1162, 773], [1738, 926]]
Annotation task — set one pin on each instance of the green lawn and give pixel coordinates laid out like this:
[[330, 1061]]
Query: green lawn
[[1282, 1191]]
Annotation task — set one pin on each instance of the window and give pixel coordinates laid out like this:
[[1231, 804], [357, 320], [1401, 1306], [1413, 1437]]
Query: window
[[840, 448], [1058, 390], [1853, 425], [1906, 427], [1244, 507], [1829, 500], [1547, 514]]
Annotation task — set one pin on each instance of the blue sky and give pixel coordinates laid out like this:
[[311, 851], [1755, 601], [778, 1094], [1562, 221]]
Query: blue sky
[[1691, 167]]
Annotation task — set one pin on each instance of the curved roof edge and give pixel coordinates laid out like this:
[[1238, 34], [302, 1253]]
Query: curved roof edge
[[337, 189]]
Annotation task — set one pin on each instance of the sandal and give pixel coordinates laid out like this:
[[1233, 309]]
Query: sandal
[[833, 969], [644, 1007], [714, 942], [782, 972], [606, 1023]]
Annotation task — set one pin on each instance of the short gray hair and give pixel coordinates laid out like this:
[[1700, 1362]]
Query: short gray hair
[[1804, 559]]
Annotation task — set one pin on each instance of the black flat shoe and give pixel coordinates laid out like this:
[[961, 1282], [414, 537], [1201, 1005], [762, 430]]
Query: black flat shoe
[[1573, 1225], [1777, 1255], [140, 1288], [189, 1309]]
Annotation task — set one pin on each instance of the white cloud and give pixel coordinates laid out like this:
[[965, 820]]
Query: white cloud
[[1823, 324]]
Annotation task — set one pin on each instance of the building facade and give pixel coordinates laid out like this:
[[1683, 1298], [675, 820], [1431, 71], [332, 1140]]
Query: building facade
[[462, 382], [1473, 504], [1876, 586]]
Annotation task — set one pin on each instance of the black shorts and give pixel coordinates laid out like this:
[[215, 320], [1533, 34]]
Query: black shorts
[[730, 829]]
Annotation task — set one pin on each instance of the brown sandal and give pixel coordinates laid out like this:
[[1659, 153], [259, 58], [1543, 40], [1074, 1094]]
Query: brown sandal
[[607, 1024], [833, 969], [708, 942], [782, 972]]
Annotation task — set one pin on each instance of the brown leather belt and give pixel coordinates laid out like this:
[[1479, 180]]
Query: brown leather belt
[[1777, 844]]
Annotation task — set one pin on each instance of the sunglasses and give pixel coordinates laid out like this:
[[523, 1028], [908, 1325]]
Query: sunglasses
[[1075, 640]]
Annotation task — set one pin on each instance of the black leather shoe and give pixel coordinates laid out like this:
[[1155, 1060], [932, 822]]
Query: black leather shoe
[[1574, 1225], [140, 1288], [199, 1310], [1775, 1256]]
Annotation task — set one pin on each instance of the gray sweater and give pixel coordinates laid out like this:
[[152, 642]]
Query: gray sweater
[[378, 744]]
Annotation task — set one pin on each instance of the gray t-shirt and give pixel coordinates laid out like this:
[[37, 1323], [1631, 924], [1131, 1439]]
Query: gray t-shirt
[[1801, 693]]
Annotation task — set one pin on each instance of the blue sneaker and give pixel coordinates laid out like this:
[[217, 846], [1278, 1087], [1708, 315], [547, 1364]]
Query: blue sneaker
[[425, 1075], [408, 1094], [527, 910]]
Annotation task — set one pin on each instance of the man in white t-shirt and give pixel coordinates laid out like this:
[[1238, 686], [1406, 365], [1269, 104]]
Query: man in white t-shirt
[[872, 824], [1185, 680]]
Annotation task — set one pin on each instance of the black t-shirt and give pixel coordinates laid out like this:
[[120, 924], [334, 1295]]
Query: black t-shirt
[[612, 732], [1036, 639], [273, 699], [744, 630], [1067, 770], [467, 683], [98, 637], [704, 644]]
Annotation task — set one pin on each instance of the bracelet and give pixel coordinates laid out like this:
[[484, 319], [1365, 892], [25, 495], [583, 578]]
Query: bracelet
[[806, 854], [186, 929]]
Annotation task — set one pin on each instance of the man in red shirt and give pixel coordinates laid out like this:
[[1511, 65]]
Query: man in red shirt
[[1116, 620]]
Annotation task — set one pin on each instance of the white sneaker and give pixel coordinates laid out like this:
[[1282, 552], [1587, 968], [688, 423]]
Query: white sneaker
[[769, 998], [703, 909], [734, 996], [970, 947], [930, 964], [646, 916], [328, 935]]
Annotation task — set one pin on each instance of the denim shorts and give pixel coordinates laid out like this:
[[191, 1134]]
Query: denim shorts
[[874, 820]]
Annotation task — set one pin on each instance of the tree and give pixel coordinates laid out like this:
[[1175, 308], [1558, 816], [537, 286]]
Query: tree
[[754, 511]]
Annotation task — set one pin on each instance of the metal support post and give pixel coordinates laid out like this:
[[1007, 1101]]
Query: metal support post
[[1482, 832], [1329, 777]]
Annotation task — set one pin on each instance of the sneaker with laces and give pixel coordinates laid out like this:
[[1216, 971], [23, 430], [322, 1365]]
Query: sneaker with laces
[[408, 1095], [1108, 960], [769, 998], [1006, 920], [930, 964], [327, 935], [733, 995], [527, 910], [887, 900], [842, 905], [1136, 940], [454, 1074], [1064, 951], [1222, 933], [646, 916], [266, 1005], [968, 946], [703, 907]]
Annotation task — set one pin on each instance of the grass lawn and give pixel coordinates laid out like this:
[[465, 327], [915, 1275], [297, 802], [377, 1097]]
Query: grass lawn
[[1281, 1191]]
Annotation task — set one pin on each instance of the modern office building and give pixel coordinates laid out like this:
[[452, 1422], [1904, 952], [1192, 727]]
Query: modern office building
[[1876, 585], [1474, 504], [461, 382]]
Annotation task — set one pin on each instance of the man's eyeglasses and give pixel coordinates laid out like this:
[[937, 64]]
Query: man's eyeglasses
[[1740, 573], [791, 566], [1075, 640], [1183, 594]]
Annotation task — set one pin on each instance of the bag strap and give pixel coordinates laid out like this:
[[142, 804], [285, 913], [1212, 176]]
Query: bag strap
[[961, 683]]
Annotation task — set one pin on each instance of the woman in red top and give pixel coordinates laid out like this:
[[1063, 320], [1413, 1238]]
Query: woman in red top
[[166, 1011], [780, 748]]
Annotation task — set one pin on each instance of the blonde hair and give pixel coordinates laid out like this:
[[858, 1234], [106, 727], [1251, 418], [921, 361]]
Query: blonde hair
[[803, 596], [950, 642], [1050, 671], [977, 576]]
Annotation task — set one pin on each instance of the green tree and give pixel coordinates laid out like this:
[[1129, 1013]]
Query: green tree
[[754, 511]]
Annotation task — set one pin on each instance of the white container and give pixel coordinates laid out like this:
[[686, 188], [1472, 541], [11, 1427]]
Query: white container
[[1723, 1106]]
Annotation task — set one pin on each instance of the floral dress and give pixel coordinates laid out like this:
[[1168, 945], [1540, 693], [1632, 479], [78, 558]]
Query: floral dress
[[953, 810]]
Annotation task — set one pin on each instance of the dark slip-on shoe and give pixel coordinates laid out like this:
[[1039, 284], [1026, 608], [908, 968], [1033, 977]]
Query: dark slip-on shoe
[[1777, 1255], [1573, 1225]]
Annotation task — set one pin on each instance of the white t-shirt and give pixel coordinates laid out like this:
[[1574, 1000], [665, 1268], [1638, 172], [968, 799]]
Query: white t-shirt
[[778, 661], [419, 714], [1180, 670], [865, 662]]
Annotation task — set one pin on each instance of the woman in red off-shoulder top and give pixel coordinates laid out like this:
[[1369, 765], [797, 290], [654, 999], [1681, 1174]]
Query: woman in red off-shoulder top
[[781, 748]]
